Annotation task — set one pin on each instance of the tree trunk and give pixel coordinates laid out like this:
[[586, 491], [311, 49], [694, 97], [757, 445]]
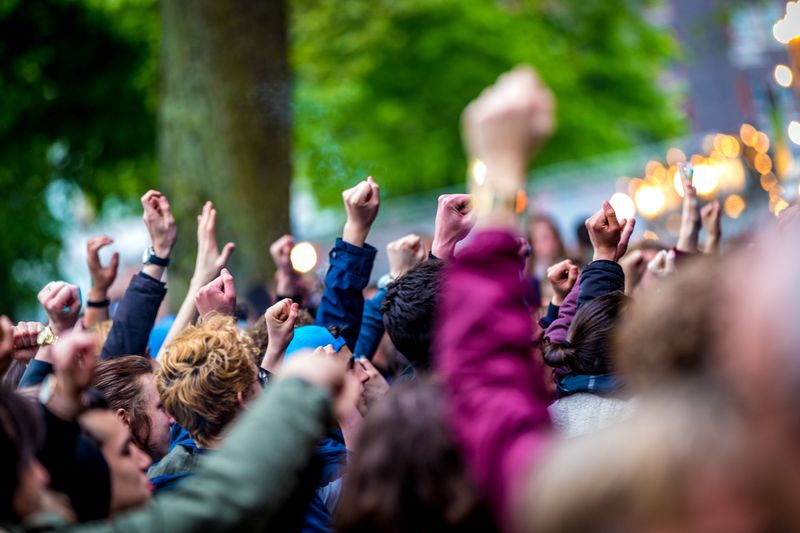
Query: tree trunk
[[224, 126]]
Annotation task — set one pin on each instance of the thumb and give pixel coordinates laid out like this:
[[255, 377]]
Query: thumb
[[572, 275], [227, 282]]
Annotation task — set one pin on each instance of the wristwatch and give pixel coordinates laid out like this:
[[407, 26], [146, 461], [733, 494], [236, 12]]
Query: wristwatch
[[46, 337], [385, 280], [149, 257]]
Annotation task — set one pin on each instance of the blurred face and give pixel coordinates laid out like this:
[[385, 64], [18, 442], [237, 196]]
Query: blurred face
[[253, 391], [545, 242], [160, 421], [30, 491], [127, 464]]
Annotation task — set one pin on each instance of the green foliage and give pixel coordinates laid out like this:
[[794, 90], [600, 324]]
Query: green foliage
[[77, 106], [380, 84]]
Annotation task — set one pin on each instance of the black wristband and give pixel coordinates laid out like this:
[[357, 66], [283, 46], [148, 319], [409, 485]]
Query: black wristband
[[101, 303]]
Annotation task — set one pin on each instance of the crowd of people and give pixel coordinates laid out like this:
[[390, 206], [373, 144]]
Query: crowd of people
[[489, 381]]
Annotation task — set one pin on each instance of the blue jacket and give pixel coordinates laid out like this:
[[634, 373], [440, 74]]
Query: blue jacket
[[342, 302], [372, 327]]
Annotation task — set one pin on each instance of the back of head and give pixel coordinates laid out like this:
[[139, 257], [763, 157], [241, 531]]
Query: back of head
[[670, 334], [408, 311], [202, 372], [682, 463], [20, 438], [119, 381], [408, 474], [590, 337]]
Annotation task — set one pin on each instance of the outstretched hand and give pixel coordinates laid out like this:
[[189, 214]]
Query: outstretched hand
[[361, 203], [609, 236], [160, 222], [74, 358], [454, 221], [62, 302], [506, 124], [404, 254], [218, 296], [281, 319], [24, 338], [280, 251], [102, 277], [210, 260], [691, 221], [562, 277]]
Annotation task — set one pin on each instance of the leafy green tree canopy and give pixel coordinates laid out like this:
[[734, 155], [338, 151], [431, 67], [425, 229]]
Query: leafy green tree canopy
[[380, 84], [77, 86]]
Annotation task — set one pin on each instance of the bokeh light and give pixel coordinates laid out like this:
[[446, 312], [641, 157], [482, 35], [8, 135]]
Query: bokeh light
[[734, 206], [788, 27], [479, 172], [748, 134], [623, 205], [783, 76], [762, 163], [780, 205], [303, 257], [794, 132], [705, 180], [761, 142], [650, 200], [729, 146], [768, 181]]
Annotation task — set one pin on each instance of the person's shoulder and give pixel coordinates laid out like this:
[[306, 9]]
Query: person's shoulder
[[180, 460]]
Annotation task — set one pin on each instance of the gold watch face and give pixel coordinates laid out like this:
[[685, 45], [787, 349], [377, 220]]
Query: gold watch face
[[45, 337]]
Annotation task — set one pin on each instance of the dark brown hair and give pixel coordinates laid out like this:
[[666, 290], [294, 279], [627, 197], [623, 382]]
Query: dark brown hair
[[588, 350], [21, 435], [118, 380], [408, 474]]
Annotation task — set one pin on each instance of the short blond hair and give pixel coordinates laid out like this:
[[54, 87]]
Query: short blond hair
[[201, 374]]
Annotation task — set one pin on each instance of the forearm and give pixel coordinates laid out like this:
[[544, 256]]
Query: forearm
[[96, 315], [187, 314], [372, 327], [496, 399], [688, 238], [557, 330], [342, 303], [599, 278], [135, 318], [255, 471], [712, 245]]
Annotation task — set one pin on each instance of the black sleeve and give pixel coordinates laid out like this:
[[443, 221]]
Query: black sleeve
[[135, 317], [599, 278]]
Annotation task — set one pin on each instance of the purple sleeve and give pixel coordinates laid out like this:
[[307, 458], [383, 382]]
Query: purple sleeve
[[557, 331], [496, 403]]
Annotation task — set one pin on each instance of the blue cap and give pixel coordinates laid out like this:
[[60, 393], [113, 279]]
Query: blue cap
[[311, 338]]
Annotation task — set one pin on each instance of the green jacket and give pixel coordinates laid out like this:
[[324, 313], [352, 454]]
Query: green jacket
[[249, 482]]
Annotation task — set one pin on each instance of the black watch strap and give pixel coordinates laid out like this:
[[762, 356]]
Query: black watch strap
[[158, 261]]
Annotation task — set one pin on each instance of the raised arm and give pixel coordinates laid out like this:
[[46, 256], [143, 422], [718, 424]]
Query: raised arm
[[351, 263], [136, 314], [210, 261], [102, 278], [496, 400], [258, 468], [610, 239], [404, 254], [689, 233]]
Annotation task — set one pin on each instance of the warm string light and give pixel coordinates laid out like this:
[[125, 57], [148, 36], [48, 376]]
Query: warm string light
[[303, 257]]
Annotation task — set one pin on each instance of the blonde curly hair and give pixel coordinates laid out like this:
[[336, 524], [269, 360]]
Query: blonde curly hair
[[202, 371]]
